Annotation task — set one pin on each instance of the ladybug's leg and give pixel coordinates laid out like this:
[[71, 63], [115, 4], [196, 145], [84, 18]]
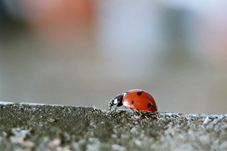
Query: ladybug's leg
[[132, 110], [115, 109], [110, 108]]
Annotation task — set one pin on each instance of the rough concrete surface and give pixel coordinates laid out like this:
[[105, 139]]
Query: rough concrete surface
[[36, 127]]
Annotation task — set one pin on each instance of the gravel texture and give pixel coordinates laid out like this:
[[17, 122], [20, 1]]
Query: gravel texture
[[37, 127]]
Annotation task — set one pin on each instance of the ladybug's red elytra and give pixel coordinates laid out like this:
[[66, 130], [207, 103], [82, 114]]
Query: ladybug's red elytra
[[134, 99]]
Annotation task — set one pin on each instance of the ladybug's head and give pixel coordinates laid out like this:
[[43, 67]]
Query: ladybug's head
[[116, 101]]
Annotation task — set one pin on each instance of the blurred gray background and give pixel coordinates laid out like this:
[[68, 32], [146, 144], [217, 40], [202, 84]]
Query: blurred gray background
[[85, 52]]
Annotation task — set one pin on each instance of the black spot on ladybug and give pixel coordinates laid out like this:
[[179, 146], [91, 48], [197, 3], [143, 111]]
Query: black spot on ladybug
[[149, 104], [139, 93], [132, 102]]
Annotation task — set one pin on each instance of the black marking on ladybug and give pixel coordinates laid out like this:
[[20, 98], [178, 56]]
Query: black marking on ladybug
[[132, 102], [149, 104], [139, 93]]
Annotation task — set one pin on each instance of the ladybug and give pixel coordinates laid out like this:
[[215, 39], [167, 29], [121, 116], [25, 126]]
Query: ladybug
[[134, 99]]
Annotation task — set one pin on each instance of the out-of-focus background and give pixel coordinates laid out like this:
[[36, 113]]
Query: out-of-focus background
[[85, 52]]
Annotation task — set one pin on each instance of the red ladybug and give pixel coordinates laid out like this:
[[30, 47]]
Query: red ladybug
[[134, 99]]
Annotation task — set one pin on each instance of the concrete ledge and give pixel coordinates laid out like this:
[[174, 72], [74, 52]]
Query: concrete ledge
[[35, 127]]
